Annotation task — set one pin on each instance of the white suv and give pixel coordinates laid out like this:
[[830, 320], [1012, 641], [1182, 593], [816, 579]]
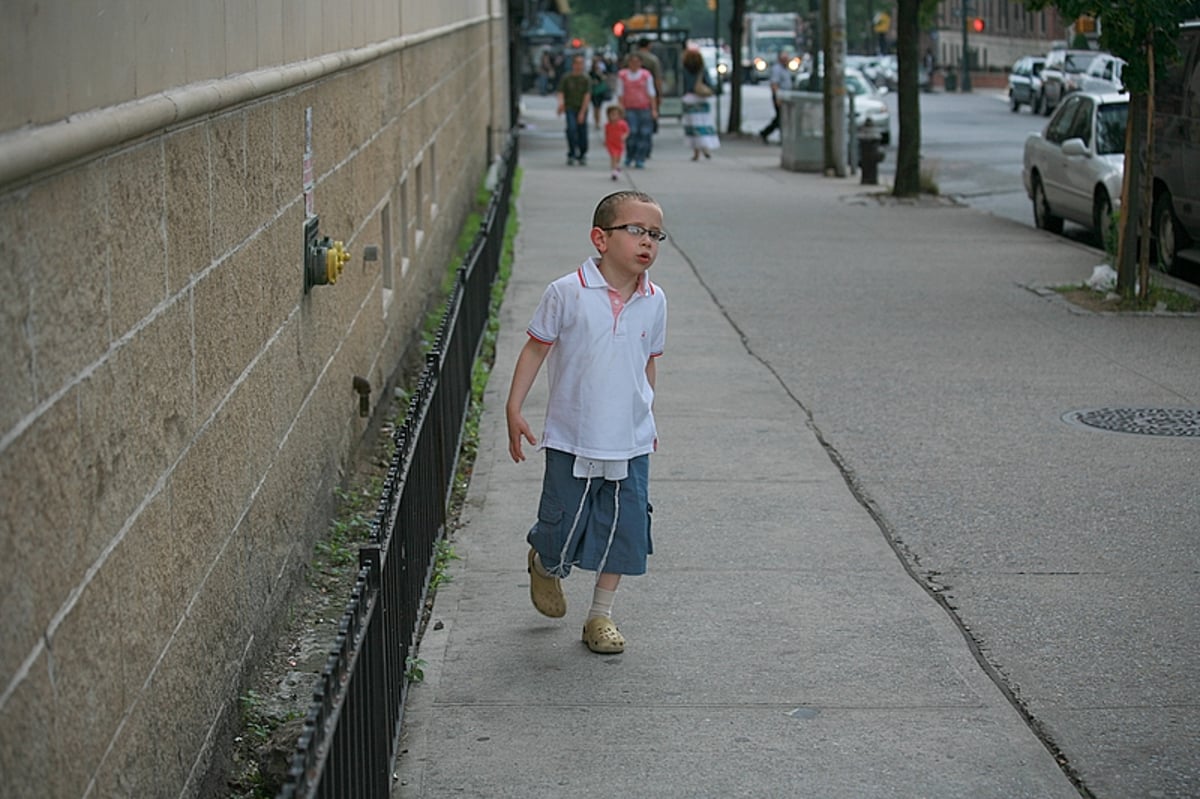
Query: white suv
[[1062, 75]]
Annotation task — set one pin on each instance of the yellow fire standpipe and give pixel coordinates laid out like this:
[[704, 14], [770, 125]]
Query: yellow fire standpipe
[[324, 259]]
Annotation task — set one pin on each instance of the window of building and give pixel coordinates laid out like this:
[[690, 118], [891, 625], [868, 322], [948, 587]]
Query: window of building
[[385, 226]]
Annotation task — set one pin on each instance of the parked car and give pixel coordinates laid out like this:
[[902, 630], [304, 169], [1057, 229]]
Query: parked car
[[1177, 154], [1061, 75], [1025, 82], [879, 69], [868, 100], [1103, 75], [1073, 169]]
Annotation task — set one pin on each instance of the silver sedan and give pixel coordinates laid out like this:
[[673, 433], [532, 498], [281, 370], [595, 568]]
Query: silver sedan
[[1073, 169]]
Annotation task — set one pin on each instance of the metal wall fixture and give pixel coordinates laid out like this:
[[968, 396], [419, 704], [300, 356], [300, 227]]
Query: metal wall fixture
[[363, 387], [324, 258]]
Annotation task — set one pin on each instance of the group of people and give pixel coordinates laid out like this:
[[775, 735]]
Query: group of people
[[632, 116]]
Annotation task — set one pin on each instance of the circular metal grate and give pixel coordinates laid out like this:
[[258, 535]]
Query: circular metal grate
[[1144, 421]]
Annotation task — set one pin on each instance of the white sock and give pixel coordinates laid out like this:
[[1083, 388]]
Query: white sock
[[602, 603]]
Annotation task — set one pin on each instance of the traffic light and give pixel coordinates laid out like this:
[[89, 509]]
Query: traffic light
[[977, 25], [576, 43], [619, 28]]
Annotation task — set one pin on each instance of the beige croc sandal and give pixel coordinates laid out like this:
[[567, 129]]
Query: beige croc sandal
[[603, 637], [546, 592]]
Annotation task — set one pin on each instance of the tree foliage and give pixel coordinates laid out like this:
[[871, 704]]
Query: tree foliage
[[1131, 29]]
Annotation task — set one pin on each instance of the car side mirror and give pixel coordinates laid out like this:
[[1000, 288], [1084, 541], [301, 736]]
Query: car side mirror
[[1074, 147]]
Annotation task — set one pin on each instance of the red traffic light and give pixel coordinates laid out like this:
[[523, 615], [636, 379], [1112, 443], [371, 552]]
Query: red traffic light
[[977, 25], [618, 29], [576, 43]]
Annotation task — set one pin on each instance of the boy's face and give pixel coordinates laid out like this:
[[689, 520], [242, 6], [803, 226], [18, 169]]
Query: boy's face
[[625, 252]]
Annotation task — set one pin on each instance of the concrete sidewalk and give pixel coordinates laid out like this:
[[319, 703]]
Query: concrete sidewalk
[[777, 647]]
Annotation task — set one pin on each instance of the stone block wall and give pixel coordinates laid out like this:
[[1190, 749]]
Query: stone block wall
[[175, 409]]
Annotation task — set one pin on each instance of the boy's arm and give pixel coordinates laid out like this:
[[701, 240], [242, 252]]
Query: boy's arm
[[651, 372], [529, 362]]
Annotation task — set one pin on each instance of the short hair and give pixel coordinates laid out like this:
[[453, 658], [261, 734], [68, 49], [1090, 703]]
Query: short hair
[[606, 210]]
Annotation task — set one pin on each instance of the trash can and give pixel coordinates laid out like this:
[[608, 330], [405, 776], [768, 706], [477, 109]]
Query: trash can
[[950, 78], [802, 128]]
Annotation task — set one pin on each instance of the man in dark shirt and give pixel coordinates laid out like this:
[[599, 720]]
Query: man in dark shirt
[[574, 91]]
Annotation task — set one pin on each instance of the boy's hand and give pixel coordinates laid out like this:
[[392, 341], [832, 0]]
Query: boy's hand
[[518, 428]]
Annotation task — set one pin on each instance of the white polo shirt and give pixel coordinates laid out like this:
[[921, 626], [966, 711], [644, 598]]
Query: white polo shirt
[[600, 400]]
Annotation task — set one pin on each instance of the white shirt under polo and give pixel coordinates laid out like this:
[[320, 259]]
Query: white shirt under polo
[[600, 403]]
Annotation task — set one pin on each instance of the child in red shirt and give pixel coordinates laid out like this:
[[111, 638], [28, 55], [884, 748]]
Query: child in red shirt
[[615, 132]]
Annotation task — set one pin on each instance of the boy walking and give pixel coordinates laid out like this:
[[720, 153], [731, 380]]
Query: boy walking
[[598, 329]]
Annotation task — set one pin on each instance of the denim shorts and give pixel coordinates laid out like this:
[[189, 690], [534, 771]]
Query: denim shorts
[[575, 519]]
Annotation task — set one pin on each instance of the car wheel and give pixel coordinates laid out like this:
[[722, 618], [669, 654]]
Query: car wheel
[[1042, 215], [1167, 233], [1102, 221]]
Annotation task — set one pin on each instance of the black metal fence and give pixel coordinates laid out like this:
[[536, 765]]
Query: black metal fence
[[348, 747]]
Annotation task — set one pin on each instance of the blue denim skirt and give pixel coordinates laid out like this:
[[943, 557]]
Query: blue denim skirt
[[575, 524]]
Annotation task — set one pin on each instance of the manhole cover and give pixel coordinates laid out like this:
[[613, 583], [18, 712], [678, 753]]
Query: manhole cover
[[1145, 421]]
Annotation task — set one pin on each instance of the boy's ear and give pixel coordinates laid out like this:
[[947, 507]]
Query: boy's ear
[[599, 240]]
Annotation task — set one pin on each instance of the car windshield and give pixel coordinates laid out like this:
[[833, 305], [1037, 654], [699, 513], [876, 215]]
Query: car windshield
[[772, 45], [1078, 62], [857, 84], [1110, 128]]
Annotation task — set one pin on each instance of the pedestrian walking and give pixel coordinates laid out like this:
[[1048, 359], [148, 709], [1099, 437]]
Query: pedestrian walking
[[616, 130], [636, 95], [780, 80], [599, 330], [699, 117], [574, 91], [601, 91], [653, 64]]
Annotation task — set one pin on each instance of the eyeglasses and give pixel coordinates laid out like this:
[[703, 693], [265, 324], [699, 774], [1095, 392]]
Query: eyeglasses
[[637, 231]]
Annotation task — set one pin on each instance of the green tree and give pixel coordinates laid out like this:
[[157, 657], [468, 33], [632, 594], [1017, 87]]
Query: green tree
[[1145, 33]]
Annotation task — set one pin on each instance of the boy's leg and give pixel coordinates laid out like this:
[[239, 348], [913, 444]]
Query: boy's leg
[[545, 590], [624, 509], [551, 553], [600, 633], [604, 595]]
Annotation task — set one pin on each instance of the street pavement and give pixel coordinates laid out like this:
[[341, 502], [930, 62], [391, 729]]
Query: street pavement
[[885, 563]]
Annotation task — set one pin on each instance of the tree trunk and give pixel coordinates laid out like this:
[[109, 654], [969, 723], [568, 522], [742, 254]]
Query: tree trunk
[[1131, 206], [735, 82], [908, 53], [1131, 210], [826, 70], [1147, 182]]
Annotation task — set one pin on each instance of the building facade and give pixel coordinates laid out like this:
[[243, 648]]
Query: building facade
[[1010, 31], [176, 405]]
